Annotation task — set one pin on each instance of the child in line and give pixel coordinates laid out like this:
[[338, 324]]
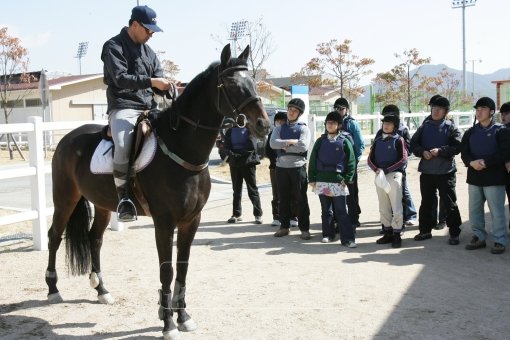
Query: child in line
[[332, 166], [388, 154]]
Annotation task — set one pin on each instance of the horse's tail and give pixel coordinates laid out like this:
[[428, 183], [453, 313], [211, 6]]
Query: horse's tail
[[77, 239]]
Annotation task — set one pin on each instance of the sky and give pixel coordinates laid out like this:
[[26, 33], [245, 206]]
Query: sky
[[51, 31]]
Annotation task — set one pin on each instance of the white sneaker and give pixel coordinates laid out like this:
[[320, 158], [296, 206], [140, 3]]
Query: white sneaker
[[276, 223], [325, 240], [293, 223], [410, 222]]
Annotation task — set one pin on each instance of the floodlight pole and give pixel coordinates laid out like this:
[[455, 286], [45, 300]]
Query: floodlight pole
[[237, 30], [463, 4], [82, 51], [472, 61]]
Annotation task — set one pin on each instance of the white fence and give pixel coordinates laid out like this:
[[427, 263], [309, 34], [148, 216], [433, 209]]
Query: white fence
[[370, 124], [37, 169]]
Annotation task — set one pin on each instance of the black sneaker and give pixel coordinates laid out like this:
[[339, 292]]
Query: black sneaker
[[235, 219], [440, 226], [397, 241], [422, 236], [475, 243], [453, 240], [387, 238], [282, 232]]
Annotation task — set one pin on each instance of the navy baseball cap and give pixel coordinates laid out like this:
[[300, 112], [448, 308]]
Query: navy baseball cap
[[146, 16]]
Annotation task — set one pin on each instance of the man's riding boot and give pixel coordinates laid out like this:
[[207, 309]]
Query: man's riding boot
[[126, 210]]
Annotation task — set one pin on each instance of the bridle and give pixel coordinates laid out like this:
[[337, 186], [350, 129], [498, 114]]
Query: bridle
[[234, 112]]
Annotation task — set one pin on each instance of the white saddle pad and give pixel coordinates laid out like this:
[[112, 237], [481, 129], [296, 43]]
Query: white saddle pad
[[102, 160]]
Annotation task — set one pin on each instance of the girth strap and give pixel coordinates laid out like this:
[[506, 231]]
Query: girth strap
[[179, 160]]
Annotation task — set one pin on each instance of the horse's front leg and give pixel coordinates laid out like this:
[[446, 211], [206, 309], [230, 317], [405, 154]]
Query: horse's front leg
[[101, 220], [185, 235], [164, 241]]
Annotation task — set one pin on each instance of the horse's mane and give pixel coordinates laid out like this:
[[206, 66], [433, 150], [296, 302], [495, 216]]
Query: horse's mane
[[194, 87], [195, 84]]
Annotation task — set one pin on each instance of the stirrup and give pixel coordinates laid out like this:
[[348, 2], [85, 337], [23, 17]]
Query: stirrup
[[129, 216]]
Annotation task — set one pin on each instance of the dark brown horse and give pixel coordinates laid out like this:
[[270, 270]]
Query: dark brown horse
[[175, 191]]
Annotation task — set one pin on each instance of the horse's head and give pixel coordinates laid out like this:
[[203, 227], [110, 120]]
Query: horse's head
[[237, 94]]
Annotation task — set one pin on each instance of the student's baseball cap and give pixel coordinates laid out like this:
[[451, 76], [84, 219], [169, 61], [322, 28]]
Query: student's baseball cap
[[146, 16]]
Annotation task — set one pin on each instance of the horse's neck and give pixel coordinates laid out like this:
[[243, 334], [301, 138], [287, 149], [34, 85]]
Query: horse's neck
[[194, 144]]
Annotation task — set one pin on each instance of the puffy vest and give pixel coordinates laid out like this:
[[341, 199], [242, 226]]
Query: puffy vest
[[435, 133], [482, 141], [239, 138], [348, 136], [291, 132], [331, 155], [386, 152]]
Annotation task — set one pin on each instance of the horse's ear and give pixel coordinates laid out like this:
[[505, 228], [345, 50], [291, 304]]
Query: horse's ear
[[245, 53], [225, 55]]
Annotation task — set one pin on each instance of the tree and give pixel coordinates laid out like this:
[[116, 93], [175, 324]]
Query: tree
[[170, 69], [447, 84], [344, 68], [261, 47], [13, 71], [403, 84]]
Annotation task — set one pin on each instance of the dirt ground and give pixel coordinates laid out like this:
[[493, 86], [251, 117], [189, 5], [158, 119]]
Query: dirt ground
[[243, 283]]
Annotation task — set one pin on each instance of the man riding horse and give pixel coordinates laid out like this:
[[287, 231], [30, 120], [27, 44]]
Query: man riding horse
[[133, 74]]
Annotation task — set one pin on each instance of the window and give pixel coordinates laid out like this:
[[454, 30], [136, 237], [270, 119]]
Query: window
[[15, 103], [34, 102]]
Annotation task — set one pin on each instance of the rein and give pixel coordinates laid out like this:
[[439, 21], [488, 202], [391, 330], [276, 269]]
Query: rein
[[179, 160], [234, 112]]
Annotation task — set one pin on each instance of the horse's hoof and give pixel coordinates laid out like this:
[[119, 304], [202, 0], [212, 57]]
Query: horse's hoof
[[187, 326], [106, 299], [172, 335], [55, 298]]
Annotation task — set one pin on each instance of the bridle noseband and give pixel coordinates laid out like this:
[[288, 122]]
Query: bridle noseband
[[232, 111]]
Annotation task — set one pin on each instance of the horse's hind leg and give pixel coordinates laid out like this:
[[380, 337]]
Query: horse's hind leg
[[185, 235], [63, 210], [101, 220]]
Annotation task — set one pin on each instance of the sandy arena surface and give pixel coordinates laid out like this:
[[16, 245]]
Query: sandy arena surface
[[243, 283]]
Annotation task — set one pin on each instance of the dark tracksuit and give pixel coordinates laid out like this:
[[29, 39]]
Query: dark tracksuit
[[350, 125], [271, 155], [438, 173], [242, 161]]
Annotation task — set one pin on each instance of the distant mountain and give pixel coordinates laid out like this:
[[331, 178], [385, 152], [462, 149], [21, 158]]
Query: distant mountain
[[483, 85]]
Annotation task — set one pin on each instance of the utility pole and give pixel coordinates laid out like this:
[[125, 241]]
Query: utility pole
[[472, 61], [463, 4], [82, 50], [237, 30]]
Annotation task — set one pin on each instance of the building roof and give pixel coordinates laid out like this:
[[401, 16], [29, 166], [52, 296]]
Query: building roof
[[500, 81], [54, 84]]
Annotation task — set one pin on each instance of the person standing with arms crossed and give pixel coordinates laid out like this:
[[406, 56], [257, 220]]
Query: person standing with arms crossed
[[133, 75], [291, 141]]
